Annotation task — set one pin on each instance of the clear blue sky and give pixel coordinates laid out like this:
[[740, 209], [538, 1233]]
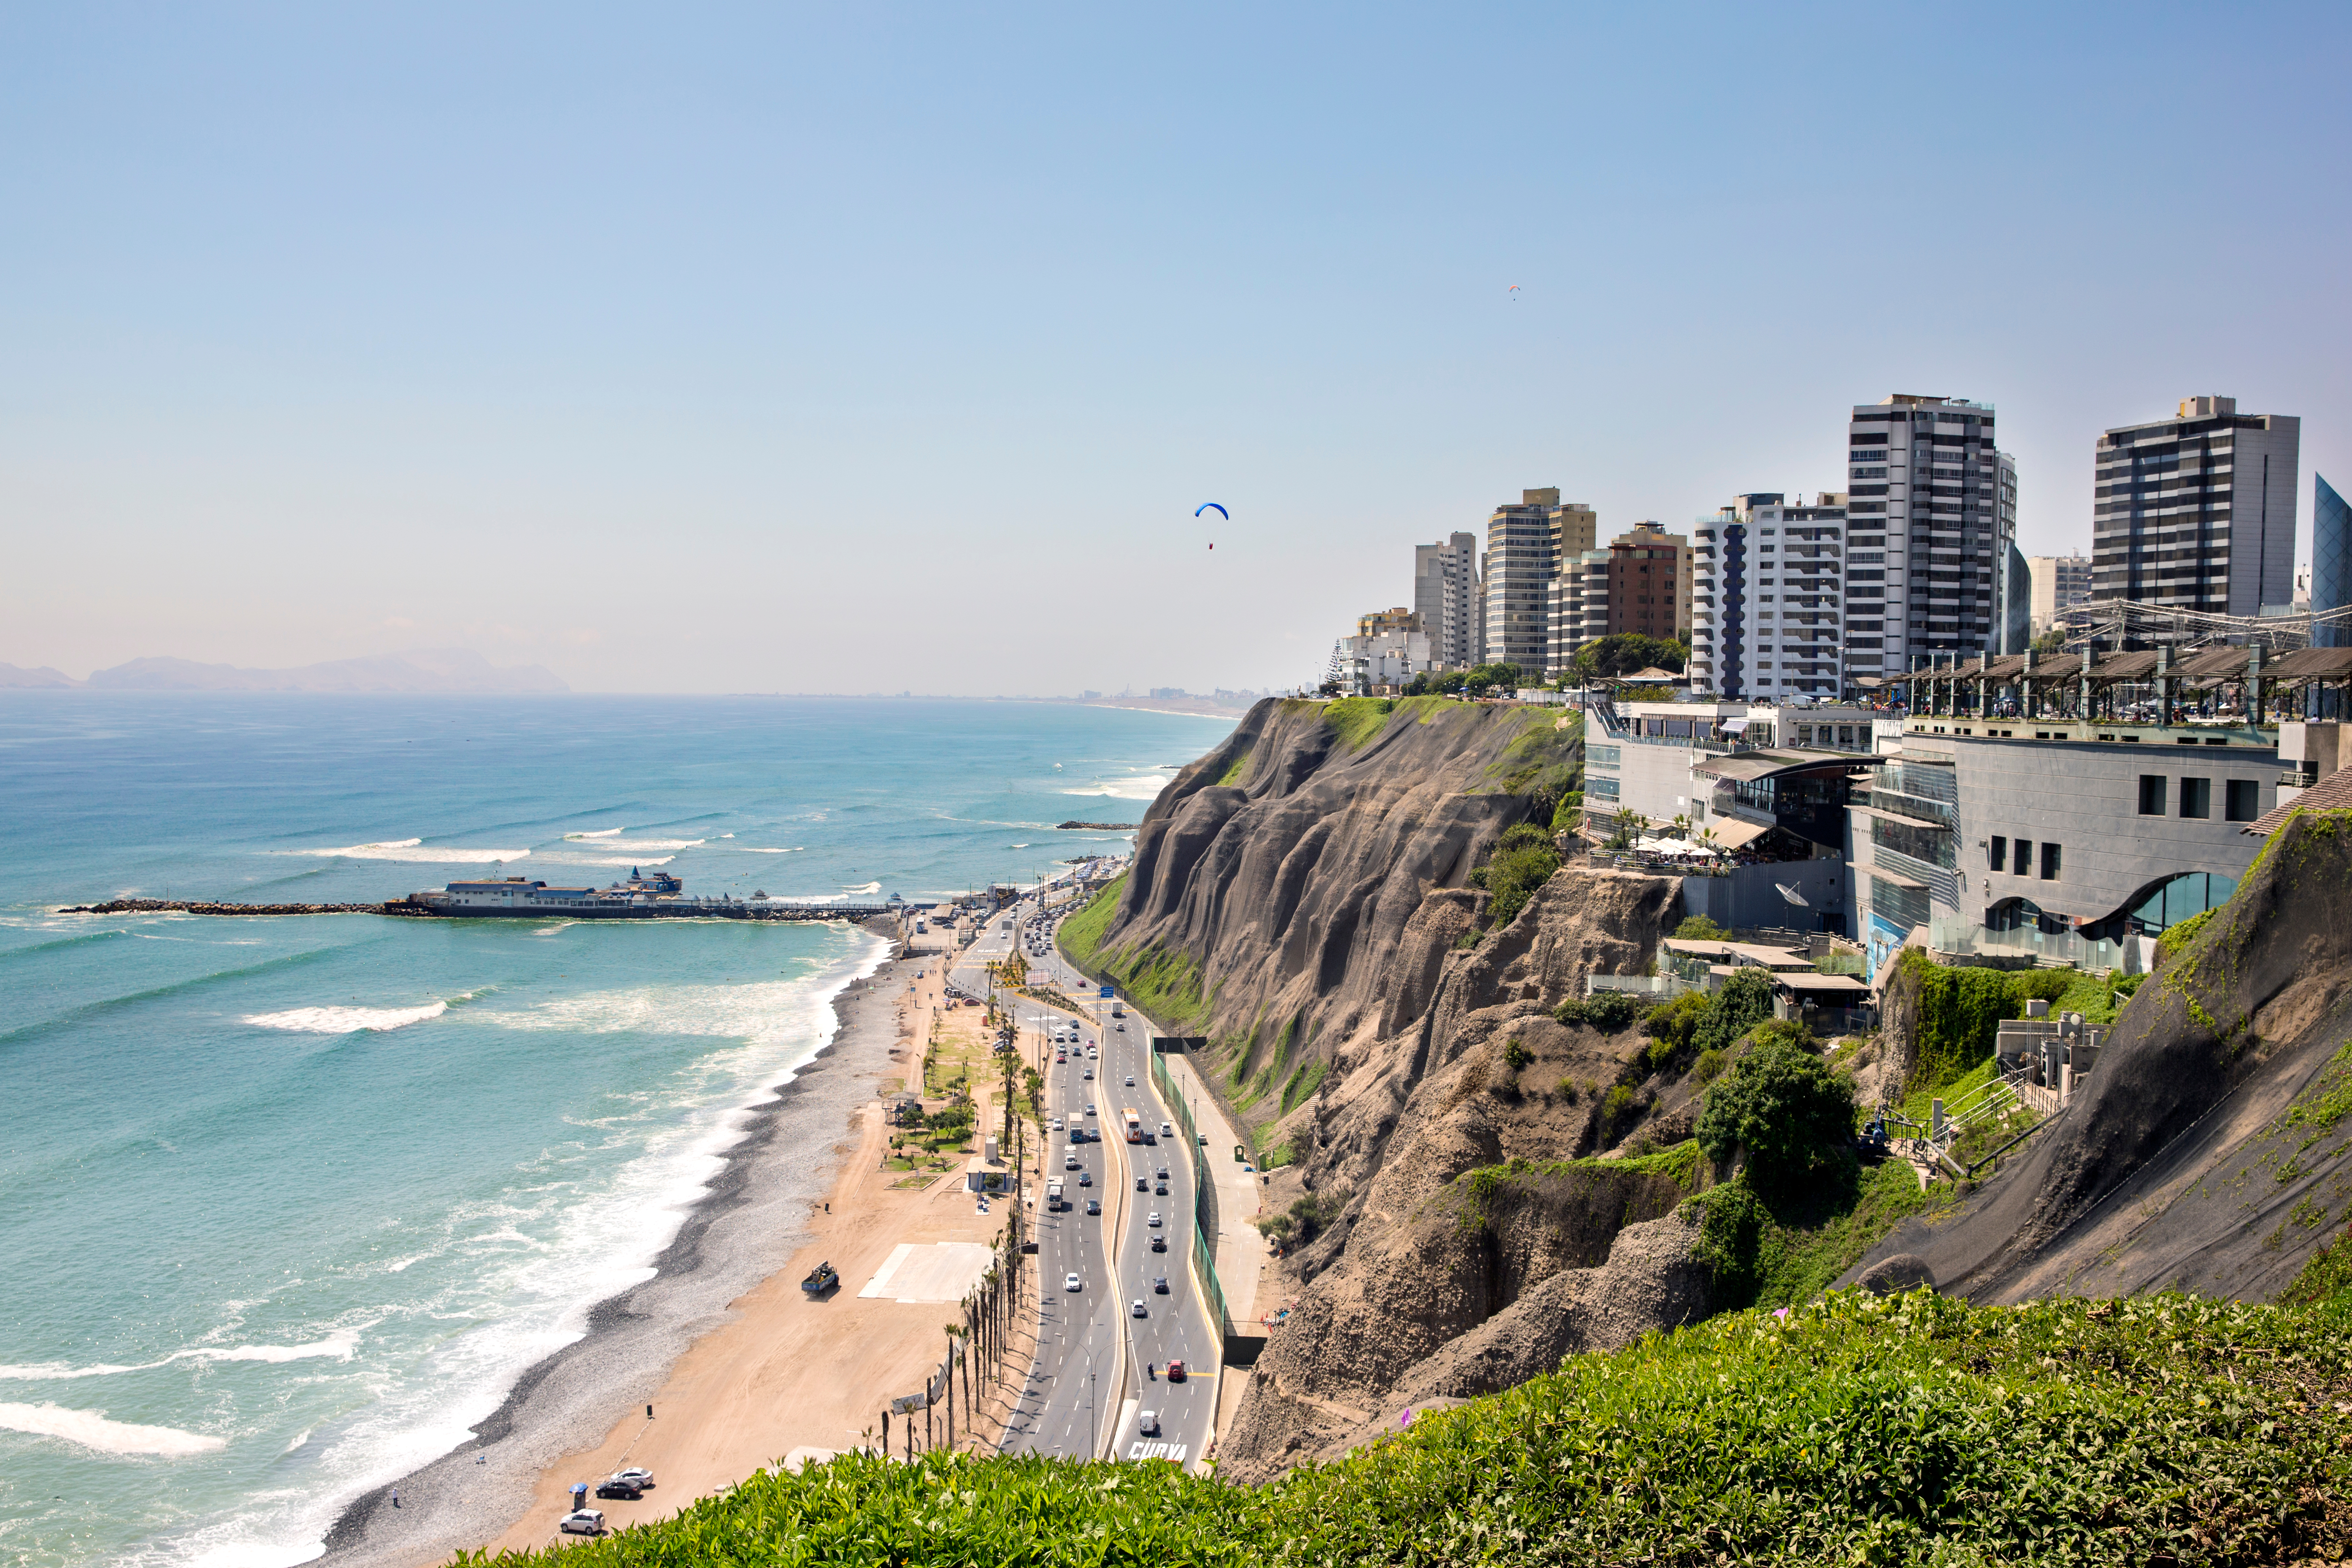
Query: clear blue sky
[[852, 348]]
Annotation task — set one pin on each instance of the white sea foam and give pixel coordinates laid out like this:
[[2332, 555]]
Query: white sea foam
[[1139, 787], [645, 843], [749, 849], [600, 833], [861, 887], [347, 1020], [1018, 846], [93, 1430], [415, 851], [605, 859]]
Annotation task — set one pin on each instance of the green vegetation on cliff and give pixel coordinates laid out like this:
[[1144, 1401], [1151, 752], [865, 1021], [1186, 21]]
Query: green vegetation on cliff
[[1961, 1008], [1165, 985], [1913, 1429]]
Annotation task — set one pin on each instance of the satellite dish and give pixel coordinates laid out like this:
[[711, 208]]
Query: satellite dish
[[1791, 894]]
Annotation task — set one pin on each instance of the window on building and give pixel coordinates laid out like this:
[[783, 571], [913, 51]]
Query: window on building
[[2245, 800], [2023, 863], [2049, 862], [2196, 798], [1998, 858], [2151, 794]]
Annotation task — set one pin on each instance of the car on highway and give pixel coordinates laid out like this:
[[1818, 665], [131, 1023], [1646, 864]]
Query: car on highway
[[1158, 1191], [1089, 1075], [1094, 1205], [1090, 1108], [1130, 1081], [1167, 1130], [1057, 1124], [1140, 1185], [1086, 1178], [1070, 1162], [582, 1522], [1146, 1422], [1138, 1310], [1163, 1173], [1175, 1371], [1154, 1220], [1159, 1284], [1158, 1244], [1072, 1282]]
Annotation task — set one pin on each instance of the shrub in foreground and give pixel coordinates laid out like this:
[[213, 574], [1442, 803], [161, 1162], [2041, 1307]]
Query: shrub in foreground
[[1909, 1430]]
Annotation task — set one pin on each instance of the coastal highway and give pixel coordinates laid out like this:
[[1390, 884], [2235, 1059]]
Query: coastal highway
[[1083, 1396]]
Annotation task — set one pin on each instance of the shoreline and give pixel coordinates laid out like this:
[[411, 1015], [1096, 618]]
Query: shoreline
[[743, 1228]]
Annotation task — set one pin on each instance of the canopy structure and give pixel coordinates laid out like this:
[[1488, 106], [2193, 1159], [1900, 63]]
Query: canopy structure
[[2139, 685]]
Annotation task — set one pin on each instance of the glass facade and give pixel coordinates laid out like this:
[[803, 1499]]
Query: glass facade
[[2331, 561]]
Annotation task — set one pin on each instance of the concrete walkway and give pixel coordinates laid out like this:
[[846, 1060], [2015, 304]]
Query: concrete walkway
[[1239, 1250]]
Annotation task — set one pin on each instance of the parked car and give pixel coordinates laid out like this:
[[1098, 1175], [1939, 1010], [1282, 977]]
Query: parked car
[[582, 1522], [643, 1477], [1070, 1282], [614, 1487]]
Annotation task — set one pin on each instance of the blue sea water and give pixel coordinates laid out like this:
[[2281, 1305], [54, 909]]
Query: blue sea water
[[287, 1203]]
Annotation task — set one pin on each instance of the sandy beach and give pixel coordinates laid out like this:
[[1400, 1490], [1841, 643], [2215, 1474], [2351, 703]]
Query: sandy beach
[[743, 1369]]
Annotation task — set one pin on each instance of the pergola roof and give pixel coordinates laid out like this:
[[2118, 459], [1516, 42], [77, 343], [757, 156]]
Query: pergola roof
[[2195, 667]]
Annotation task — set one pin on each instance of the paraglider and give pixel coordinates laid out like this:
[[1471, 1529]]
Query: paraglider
[[1514, 293], [1212, 506]]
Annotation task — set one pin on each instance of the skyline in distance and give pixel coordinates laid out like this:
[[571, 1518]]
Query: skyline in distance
[[815, 353]]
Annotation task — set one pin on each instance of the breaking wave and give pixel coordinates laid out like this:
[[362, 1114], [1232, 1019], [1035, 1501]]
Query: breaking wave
[[347, 1020], [416, 849], [93, 1430]]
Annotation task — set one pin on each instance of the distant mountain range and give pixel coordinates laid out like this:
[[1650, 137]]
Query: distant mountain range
[[420, 669]]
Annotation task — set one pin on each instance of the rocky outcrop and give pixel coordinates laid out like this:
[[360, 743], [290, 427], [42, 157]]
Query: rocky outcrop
[[2207, 1150]]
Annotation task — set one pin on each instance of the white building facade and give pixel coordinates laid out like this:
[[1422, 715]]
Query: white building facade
[[1768, 600], [1447, 598], [1932, 498]]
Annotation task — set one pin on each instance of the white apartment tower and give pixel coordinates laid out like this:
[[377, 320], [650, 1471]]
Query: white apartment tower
[[2197, 512], [1769, 598], [1527, 548], [1932, 505], [1446, 596]]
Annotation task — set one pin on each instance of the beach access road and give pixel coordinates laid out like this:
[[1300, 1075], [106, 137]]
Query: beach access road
[[792, 1377], [1086, 1396]]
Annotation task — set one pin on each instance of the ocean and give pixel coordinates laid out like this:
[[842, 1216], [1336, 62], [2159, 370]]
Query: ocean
[[287, 1203]]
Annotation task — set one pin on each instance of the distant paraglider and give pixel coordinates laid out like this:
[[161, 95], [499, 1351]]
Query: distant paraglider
[[1514, 293], [1212, 506]]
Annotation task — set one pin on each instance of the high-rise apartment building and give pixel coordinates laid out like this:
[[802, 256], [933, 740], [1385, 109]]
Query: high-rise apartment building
[[1649, 585], [1770, 596], [1929, 470], [2060, 582], [1446, 596], [1528, 547], [2197, 512]]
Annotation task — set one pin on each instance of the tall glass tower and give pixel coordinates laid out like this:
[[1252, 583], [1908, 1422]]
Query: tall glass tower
[[2331, 561]]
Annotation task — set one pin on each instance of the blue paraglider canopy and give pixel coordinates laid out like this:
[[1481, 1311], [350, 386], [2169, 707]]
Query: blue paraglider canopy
[[1212, 506]]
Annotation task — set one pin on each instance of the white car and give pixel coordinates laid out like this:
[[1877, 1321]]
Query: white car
[[1167, 1130], [1070, 1162], [1154, 1220], [1090, 1110], [1136, 1310], [1148, 1422], [1130, 1081], [1057, 1124], [582, 1522], [634, 1475], [1071, 1283]]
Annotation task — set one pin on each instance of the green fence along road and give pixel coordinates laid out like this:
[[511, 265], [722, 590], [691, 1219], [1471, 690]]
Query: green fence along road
[[1204, 1191]]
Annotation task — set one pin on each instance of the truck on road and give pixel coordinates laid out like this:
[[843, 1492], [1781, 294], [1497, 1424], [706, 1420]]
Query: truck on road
[[1053, 1197]]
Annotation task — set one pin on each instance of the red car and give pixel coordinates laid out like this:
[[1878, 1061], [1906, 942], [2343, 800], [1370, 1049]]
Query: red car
[[1175, 1371]]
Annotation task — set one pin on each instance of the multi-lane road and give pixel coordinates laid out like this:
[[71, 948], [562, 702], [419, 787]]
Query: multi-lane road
[[1099, 1367]]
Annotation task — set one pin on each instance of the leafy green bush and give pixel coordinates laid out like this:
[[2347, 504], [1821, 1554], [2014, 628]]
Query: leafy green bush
[[1699, 927], [1515, 1055], [1513, 876], [1910, 1430], [1570, 813], [1707, 1066], [1745, 1001], [1783, 1105], [1731, 1228], [1613, 1011]]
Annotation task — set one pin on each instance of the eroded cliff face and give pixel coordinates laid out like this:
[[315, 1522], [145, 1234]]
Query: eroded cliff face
[[1289, 862], [1309, 878]]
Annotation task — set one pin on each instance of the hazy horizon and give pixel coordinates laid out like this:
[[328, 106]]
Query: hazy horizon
[[810, 351]]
